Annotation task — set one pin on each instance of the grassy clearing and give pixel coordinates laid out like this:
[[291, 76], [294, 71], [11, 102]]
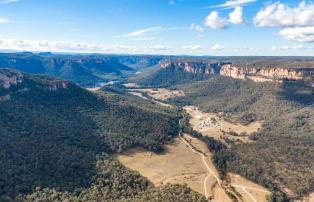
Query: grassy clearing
[[213, 125]]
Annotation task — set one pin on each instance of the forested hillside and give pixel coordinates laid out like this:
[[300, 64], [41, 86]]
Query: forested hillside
[[56, 139], [166, 77]]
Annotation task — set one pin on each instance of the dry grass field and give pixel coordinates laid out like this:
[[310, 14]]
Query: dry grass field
[[248, 190], [179, 165], [160, 93]]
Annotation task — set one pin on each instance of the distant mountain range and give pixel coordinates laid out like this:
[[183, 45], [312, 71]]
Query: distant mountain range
[[85, 70], [90, 70]]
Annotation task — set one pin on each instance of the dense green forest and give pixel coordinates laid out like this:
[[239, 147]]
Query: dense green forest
[[56, 143], [282, 152]]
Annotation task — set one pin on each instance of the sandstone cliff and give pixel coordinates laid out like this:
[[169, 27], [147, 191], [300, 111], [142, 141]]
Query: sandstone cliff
[[264, 74], [9, 77], [244, 72], [194, 67], [58, 85]]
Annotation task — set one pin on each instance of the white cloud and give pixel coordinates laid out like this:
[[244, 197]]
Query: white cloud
[[4, 21], [214, 21], [281, 15], [8, 1], [301, 34], [217, 47], [289, 47], [236, 17], [197, 28], [192, 47], [233, 3], [158, 48], [140, 33], [40, 46]]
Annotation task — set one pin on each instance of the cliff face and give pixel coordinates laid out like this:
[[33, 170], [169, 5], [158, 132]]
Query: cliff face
[[256, 74], [9, 78], [194, 67], [54, 86], [263, 75]]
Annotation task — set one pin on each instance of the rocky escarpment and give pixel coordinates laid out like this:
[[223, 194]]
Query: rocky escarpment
[[194, 67], [56, 85], [257, 74], [13, 82], [265, 74], [9, 77]]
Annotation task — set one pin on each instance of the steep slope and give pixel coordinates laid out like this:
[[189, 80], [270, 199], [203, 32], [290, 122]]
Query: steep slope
[[56, 139], [165, 77]]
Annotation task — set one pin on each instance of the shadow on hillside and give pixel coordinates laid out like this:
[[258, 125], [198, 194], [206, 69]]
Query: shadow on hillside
[[47, 144], [297, 92]]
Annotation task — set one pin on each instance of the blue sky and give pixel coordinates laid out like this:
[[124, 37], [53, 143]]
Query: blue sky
[[194, 27]]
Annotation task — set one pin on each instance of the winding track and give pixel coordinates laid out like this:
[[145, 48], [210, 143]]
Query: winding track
[[205, 187], [203, 158], [244, 188]]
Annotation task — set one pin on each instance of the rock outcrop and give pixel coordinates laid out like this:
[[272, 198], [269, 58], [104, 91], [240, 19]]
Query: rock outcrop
[[264, 74], [9, 77], [194, 67], [56, 85]]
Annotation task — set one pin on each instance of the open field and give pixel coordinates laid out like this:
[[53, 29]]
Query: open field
[[213, 125], [160, 93], [155, 94], [180, 165], [176, 165], [248, 190]]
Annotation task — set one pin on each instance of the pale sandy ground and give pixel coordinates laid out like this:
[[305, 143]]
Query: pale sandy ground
[[131, 85], [258, 192], [179, 165], [161, 93], [309, 198], [158, 94], [198, 118], [139, 95], [93, 89]]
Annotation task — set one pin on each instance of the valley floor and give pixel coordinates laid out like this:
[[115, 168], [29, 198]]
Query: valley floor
[[188, 161]]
